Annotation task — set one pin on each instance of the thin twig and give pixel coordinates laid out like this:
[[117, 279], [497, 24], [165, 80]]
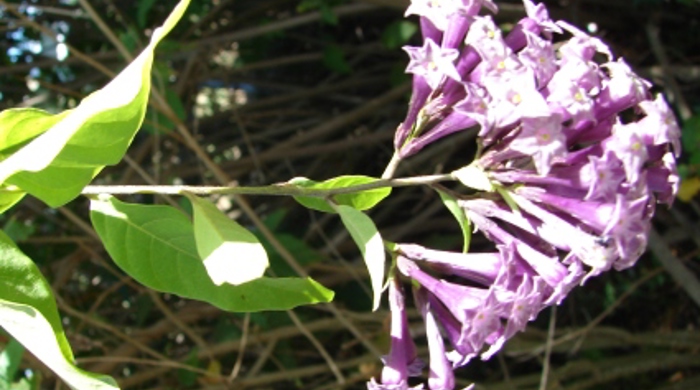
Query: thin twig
[[50, 33], [392, 166], [106, 30], [672, 88], [241, 352], [679, 272], [262, 358], [148, 362], [548, 349], [321, 349], [180, 324], [609, 310], [111, 329]]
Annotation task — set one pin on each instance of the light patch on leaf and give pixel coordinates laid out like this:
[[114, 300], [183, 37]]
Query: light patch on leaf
[[235, 263], [231, 253]]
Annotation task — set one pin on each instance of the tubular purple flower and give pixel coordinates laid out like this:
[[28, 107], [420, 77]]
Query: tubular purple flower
[[628, 223], [487, 40], [540, 15], [542, 138], [546, 266], [628, 147], [527, 302], [481, 268], [458, 299], [401, 361], [538, 56], [564, 186], [591, 249], [421, 91], [594, 215], [438, 12], [441, 375], [475, 106], [659, 124]]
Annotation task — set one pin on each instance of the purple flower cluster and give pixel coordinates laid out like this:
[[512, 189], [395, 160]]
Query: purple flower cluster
[[575, 153]]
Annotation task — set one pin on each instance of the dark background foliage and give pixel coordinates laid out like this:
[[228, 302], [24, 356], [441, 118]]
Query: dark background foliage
[[275, 89]]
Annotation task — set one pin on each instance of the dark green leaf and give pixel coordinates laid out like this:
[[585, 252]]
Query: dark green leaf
[[334, 59], [144, 7], [398, 33]]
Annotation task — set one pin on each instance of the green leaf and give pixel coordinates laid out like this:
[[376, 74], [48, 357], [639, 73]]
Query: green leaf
[[367, 238], [28, 312], [303, 253], [10, 358], [144, 6], [130, 39], [18, 231], [328, 16], [9, 197], [20, 125], [508, 199], [32, 383], [72, 150], [156, 246], [362, 200], [231, 253], [460, 216], [690, 135], [398, 33], [334, 59]]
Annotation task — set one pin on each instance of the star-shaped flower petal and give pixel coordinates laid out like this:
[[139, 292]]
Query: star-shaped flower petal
[[432, 62], [542, 138], [660, 123]]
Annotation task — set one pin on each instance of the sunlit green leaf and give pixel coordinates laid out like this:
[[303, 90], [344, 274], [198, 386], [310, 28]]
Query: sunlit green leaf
[[9, 197], [70, 151], [460, 216], [361, 200], [231, 254], [156, 246], [367, 238], [28, 312], [20, 125]]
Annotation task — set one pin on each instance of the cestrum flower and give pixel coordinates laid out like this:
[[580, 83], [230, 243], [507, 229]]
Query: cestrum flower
[[563, 185]]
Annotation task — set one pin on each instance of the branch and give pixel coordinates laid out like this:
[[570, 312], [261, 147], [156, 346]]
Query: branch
[[280, 189]]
